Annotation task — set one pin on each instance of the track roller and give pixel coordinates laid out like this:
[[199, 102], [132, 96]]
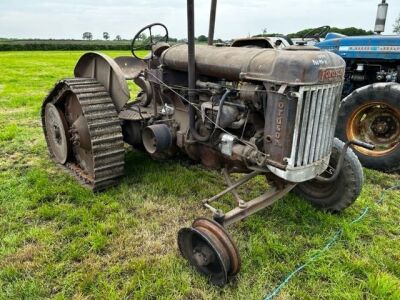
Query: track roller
[[209, 247]]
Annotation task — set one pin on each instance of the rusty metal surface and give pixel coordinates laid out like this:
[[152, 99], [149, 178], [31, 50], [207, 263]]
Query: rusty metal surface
[[209, 247], [278, 130], [294, 67], [107, 72], [130, 66], [257, 204], [132, 113], [224, 237]]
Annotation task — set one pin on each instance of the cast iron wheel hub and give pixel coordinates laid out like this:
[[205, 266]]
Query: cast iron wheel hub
[[384, 126], [375, 123], [203, 255], [56, 129]]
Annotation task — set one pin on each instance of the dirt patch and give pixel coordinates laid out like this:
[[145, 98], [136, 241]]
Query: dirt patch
[[24, 258], [155, 234], [18, 160], [11, 111]]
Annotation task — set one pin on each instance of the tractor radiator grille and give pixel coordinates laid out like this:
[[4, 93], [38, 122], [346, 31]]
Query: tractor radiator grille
[[316, 115]]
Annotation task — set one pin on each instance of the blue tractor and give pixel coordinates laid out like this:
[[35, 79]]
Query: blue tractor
[[370, 110]]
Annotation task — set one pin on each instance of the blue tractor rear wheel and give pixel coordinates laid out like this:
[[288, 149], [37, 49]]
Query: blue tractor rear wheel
[[372, 114]]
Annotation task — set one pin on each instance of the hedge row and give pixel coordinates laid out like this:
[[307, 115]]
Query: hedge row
[[5, 46]]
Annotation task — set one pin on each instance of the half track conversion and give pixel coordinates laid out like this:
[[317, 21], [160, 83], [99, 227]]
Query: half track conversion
[[94, 135]]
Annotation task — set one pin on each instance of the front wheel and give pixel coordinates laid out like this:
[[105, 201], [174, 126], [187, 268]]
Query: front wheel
[[372, 114], [337, 195]]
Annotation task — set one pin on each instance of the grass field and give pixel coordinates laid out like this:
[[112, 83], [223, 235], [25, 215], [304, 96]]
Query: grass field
[[37, 44], [58, 240]]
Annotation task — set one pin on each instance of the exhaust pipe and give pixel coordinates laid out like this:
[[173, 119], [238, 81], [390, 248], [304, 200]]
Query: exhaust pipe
[[211, 27], [381, 17], [192, 73]]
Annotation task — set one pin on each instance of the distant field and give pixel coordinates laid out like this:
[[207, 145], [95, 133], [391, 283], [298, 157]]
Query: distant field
[[26, 45], [59, 240]]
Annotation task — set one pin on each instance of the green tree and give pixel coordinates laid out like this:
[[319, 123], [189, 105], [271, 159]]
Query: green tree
[[396, 25], [264, 32], [202, 39], [106, 36], [87, 36], [350, 31]]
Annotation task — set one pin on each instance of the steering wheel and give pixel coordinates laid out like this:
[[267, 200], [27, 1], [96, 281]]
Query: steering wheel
[[288, 39], [317, 33], [150, 41]]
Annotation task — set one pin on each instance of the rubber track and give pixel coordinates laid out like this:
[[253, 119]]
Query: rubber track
[[104, 128]]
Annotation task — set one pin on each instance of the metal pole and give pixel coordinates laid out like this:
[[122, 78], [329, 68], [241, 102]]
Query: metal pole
[[192, 73], [212, 22], [191, 51], [238, 183]]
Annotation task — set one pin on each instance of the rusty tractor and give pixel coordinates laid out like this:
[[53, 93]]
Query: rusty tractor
[[258, 112]]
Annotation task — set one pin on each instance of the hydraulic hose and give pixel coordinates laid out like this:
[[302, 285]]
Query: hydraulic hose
[[220, 106]]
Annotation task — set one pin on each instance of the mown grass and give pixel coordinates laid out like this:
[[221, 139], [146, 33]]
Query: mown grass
[[59, 45], [58, 240]]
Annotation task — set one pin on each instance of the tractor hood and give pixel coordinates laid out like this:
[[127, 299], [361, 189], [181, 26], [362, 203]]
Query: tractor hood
[[295, 66], [364, 47]]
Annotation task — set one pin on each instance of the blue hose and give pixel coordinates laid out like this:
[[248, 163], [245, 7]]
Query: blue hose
[[328, 245]]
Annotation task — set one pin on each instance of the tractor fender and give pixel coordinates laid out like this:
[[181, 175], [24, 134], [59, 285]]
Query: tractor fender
[[106, 71]]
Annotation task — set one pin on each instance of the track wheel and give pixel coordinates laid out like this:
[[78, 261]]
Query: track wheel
[[372, 114], [83, 132], [209, 247]]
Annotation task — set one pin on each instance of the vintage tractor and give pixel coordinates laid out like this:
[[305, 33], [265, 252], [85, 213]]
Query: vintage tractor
[[260, 112]]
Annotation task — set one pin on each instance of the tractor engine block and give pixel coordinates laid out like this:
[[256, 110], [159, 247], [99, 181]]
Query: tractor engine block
[[254, 108]]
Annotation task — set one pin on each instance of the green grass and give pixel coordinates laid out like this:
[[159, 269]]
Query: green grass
[[39, 44], [58, 240]]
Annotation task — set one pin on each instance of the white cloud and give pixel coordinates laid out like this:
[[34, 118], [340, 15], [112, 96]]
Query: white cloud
[[235, 18]]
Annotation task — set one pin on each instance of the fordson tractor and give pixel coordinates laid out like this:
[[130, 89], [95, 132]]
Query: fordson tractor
[[259, 112]]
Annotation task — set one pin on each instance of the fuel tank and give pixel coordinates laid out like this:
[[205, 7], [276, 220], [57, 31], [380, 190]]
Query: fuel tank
[[295, 65]]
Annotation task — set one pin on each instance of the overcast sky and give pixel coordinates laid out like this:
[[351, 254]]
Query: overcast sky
[[235, 18]]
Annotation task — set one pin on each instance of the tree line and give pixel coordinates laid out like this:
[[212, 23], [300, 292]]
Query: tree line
[[118, 43], [88, 36]]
